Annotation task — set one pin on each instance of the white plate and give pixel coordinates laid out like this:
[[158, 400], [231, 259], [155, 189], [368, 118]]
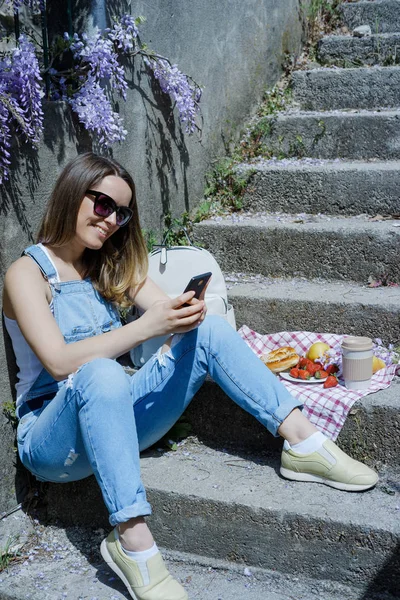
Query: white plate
[[298, 380]]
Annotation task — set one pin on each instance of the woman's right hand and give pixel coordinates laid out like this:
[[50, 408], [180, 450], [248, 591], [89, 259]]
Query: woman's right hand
[[170, 316]]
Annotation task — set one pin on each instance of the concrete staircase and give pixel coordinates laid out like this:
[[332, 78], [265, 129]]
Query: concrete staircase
[[299, 257]]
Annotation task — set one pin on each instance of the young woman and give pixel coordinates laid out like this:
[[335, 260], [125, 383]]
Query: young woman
[[81, 414]]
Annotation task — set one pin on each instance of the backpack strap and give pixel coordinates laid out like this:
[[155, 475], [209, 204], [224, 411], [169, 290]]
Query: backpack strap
[[43, 262]]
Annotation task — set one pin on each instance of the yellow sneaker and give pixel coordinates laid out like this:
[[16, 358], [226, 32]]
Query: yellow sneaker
[[328, 465], [154, 584]]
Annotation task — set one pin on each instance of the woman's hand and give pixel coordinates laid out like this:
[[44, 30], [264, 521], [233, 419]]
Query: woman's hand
[[170, 316]]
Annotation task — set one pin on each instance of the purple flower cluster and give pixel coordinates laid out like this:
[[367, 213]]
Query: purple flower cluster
[[98, 54], [88, 85], [32, 4], [25, 87], [97, 58], [95, 113], [175, 83], [124, 33], [20, 99], [333, 356], [388, 355], [5, 134]]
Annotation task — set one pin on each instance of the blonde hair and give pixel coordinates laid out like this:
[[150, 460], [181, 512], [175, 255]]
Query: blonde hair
[[122, 261]]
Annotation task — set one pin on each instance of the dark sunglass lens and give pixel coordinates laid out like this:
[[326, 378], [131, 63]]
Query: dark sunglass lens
[[123, 216], [103, 207]]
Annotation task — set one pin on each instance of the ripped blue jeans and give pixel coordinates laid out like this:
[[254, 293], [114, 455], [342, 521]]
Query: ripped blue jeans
[[101, 418]]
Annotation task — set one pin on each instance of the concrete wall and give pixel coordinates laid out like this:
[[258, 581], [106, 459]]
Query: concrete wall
[[233, 48]]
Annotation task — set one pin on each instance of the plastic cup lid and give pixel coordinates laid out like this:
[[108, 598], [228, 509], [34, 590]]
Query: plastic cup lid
[[359, 343]]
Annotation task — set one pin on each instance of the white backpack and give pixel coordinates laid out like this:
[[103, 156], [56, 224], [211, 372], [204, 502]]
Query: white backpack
[[171, 269]]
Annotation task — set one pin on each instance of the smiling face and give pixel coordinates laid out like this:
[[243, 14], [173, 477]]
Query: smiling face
[[93, 230]]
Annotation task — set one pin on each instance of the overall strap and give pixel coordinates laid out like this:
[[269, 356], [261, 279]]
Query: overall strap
[[43, 262]]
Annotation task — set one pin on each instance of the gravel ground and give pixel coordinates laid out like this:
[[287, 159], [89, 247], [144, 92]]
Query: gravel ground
[[53, 563]]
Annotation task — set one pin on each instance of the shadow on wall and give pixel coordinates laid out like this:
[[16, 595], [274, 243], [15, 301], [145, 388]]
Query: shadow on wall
[[387, 580], [162, 134], [23, 180], [163, 137], [58, 20], [61, 132]]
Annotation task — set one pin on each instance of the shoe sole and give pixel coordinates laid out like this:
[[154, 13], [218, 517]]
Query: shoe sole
[[346, 487], [107, 558]]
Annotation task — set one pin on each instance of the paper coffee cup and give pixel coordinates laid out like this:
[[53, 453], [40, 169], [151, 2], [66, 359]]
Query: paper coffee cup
[[357, 362]]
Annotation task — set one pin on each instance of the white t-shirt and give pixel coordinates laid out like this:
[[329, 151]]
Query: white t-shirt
[[28, 363]]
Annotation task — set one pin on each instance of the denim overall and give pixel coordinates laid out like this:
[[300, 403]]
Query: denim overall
[[98, 419], [79, 310]]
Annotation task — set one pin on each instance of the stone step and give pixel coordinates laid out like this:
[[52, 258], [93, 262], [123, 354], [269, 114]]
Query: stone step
[[235, 506], [332, 89], [334, 248], [383, 16], [334, 134], [79, 572], [315, 186], [371, 432], [273, 305], [347, 51]]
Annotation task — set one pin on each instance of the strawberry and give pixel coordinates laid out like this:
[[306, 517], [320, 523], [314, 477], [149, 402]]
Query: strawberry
[[320, 374], [313, 368], [330, 381], [302, 362], [304, 374], [332, 369], [294, 373]]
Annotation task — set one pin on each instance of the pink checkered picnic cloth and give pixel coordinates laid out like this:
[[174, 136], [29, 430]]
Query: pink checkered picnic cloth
[[328, 408]]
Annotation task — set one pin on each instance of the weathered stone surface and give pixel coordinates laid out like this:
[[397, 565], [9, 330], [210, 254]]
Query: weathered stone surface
[[383, 16], [318, 186], [335, 134], [332, 89], [347, 249], [233, 505], [362, 31], [375, 416], [272, 305], [381, 49], [80, 572]]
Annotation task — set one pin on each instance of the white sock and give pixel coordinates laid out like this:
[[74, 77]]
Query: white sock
[[140, 558], [309, 445]]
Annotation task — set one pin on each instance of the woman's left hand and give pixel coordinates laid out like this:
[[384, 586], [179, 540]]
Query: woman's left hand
[[201, 297], [203, 312]]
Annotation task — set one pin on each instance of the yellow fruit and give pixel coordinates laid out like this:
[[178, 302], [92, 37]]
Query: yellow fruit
[[377, 364], [317, 350]]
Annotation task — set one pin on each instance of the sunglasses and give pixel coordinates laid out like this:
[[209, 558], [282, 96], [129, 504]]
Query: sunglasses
[[104, 206]]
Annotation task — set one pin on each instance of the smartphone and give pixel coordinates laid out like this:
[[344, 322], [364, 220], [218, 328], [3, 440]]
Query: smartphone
[[197, 284]]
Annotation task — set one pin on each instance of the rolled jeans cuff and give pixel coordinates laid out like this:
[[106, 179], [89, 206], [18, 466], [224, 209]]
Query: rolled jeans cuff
[[282, 412], [139, 509]]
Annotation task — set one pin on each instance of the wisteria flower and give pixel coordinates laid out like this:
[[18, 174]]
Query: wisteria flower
[[99, 54], [388, 355], [20, 99], [32, 4], [95, 112], [25, 87], [175, 83], [333, 356], [87, 82], [124, 33], [5, 137]]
